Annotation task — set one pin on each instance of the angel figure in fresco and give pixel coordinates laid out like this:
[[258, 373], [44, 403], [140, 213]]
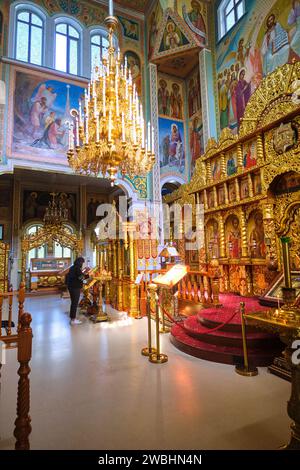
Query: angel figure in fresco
[[47, 92], [234, 239], [173, 39]]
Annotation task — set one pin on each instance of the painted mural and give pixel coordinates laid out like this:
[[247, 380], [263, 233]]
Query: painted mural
[[195, 15], [153, 22], [267, 37], [170, 97], [131, 29], [233, 237], [196, 140], [35, 204], [171, 146], [41, 112], [134, 65], [84, 11], [173, 37]]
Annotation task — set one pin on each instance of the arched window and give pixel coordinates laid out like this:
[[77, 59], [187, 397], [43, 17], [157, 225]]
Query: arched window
[[229, 13], [99, 48], [40, 251], [29, 37], [67, 48], [61, 251]]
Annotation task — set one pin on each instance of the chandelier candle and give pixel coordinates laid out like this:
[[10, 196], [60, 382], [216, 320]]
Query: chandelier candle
[[109, 124]]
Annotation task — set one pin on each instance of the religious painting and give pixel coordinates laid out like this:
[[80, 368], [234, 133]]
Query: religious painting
[[173, 37], [287, 183], [131, 29], [171, 146], [249, 154], [221, 195], [267, 37], [256, 235], [216, 169], [41, 115], [170, 98], [233, 237], [244, 188], [196, 140], [212, 239], [231, 163], [35, 204], [134, 65], [210, 199], [194, 96], [85, 12], [194, 13], [257, 184], [153, 24], [232, 191]]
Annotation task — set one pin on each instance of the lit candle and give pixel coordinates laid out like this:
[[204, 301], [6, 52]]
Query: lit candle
[[69, 136], [77, 131], [130, 107], [87, 129], [97, 128], [80, 113], [109, 125], [104, 96], [278, 302], [123, 128], [85, 99]]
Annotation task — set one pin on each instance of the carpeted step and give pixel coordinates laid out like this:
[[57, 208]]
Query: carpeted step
[[227, 337], [222, 354]]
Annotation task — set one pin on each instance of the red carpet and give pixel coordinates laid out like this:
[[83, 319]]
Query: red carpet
[[225, 344]]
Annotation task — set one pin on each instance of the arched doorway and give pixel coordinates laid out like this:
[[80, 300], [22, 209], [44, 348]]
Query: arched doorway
[[36, 241]]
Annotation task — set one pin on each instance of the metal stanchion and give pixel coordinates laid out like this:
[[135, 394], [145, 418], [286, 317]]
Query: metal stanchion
[[157, 357], [149, 350], [164, 328], [245, 369]]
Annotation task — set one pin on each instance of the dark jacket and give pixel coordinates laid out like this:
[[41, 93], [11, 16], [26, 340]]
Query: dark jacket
[[75, 277]]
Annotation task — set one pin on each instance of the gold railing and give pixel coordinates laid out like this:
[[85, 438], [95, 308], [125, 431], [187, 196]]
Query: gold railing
[[18, 336]]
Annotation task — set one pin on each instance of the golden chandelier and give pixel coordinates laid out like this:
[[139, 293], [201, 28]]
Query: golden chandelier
[[108, 134]]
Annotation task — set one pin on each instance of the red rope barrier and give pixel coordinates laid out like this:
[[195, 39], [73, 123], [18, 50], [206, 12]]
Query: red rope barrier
[[209, 330]]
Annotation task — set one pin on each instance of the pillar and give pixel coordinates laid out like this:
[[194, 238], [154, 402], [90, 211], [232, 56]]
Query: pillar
[[133, 301], [209, 114]]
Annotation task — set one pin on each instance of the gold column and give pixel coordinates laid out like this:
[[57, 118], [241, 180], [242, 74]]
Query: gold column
[[208, 172], [240, 158], [133, 304], [250, 185], [215, 197], [237, 190], [260, 148], [205, 199], [222, 237], [270, 235], [120, 277], [244, 235], [226, 194], [223, 165], [114, 255]]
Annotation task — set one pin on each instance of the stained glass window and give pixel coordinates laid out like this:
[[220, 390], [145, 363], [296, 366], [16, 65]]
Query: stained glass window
[[29, 38]]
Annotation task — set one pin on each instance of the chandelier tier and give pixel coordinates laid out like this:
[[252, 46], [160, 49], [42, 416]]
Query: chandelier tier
[[108, 133], [56, 213]]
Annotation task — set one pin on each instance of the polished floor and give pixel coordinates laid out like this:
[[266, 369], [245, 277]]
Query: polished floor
[[92, 389]]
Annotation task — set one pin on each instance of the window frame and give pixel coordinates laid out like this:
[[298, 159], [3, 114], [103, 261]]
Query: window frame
[[222, 16], [73, 24], [15, 10]]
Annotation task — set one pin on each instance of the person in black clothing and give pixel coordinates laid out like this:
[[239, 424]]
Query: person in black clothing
[[75, 279]]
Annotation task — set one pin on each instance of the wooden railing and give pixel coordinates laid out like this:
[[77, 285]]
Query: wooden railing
[[19, 336], [196, 287]]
